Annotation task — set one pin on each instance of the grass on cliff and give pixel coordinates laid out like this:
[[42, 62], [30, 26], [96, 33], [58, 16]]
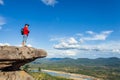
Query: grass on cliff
[[44, 76]]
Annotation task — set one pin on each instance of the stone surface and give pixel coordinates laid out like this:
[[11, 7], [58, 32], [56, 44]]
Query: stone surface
[[15, 75], [12, 58]]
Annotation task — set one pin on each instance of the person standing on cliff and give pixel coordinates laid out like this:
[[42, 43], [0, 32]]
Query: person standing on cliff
[[25, 32]]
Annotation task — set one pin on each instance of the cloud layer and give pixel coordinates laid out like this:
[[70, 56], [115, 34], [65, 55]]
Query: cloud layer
[[83, 43], [50, 2], [96, 36], [4, 44]]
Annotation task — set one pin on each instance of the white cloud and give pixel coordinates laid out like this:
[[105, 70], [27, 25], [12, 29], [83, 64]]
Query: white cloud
[[94, 48], [29, 45], [4, 44], [72, 41], [50, 2], [107, 32], [75, 44], [116, 50], [90, 32], [113, 47], [70, 53], [61, 53], [64, 46], [1, 2], [20, 45], [94, 36], [86, 50]]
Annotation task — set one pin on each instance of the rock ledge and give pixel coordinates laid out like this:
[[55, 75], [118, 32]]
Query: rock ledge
[[12, 58]]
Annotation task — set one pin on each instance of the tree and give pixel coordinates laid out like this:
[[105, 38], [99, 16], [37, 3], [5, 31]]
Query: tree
[[39, 69], [26, 67]]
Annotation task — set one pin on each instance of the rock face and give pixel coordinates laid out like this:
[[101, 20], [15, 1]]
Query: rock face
[[12, 58], [15, 75]]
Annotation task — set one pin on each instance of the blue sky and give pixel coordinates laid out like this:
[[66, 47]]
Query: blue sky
[[64, 28]]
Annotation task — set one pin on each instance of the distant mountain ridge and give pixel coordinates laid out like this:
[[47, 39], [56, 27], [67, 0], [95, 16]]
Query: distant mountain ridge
[[113, 61]]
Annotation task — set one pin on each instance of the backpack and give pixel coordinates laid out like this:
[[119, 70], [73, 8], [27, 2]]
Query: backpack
[[22, 31]]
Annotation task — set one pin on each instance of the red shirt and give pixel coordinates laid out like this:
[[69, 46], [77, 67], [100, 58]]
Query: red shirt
[[25, 31]]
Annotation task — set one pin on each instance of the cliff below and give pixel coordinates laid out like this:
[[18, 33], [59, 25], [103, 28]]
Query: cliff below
[[12, 58]]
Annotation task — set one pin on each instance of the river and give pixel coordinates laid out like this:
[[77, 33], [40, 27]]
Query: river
[[69, 75]]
